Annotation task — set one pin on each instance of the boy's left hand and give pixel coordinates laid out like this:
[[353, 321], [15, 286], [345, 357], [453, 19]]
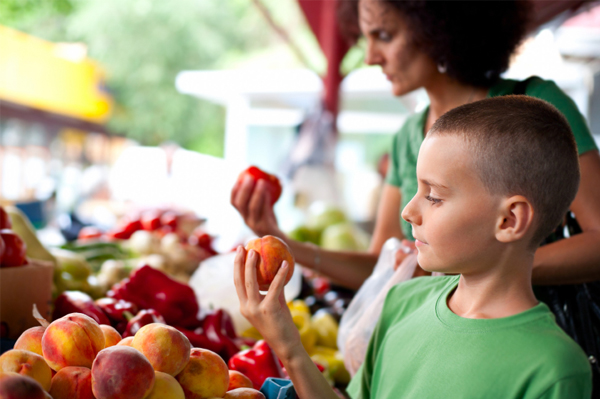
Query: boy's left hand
[[269, 313]]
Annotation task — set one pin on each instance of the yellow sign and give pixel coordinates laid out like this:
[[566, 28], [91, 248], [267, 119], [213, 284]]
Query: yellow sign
[[53, 77]]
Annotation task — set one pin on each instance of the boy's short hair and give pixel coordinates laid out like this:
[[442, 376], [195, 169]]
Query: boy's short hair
[[521, 146]]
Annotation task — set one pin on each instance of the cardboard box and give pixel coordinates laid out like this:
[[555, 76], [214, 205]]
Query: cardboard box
[[20, 288]]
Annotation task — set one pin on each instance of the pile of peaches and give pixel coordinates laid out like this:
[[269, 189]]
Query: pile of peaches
[[75, 357]]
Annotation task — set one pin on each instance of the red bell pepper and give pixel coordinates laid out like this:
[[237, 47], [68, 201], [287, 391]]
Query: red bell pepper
[[218, 326], [257, 363], [78, 302], [199, 339], [118, 311], [125, 229], [150, 288], [144, 317]]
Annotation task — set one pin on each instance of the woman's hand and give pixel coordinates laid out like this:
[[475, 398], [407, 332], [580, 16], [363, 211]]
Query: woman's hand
[[268, 313], [251, 199]]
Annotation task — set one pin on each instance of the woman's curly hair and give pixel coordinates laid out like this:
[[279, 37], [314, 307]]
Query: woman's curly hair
[[473, 39]]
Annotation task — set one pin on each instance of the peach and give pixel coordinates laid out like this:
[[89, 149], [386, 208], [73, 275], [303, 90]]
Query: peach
[[244, 393], [273, 252], [165, 387], [205, 376], [238, 380], [111, 336], [27, 363], [72, 382], [121, 372], [72, 340], [16, 386], [167, 349], [126, 341], [31, 340]]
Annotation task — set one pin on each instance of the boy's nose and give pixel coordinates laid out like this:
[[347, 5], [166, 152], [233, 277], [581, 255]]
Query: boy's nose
[[410, 213]]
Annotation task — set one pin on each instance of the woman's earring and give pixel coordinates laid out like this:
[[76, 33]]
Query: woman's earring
[[442, 68]]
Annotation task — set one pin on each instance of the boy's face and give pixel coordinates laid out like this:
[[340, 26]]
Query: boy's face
[[453, 216]]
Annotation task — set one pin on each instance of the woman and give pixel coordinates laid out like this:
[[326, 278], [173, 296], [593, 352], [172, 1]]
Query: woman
[[456, 51]]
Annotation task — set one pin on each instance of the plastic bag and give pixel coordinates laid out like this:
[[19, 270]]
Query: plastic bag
[[213, 284], [359, 320]]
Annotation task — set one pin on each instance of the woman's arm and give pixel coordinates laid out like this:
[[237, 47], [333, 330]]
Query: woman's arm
[[576, 259], [271, 317], [347, 268]]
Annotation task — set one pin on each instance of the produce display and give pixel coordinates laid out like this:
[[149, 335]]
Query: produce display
[[79, 360], [125, 323]]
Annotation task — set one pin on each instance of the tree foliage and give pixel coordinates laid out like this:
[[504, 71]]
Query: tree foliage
[[143, 44]]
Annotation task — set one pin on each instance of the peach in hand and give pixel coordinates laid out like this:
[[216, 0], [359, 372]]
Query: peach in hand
[[111, 336], [204, 376], [167, 349], [31, 340], [121, 372], [27, 363], [16, 386], [244, 393], [238, 380], [72, 382], [272, 252], [165, 387], [72, 340]]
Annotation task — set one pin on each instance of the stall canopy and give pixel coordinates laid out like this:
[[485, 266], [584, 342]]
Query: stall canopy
[[50, 83], [321, 16]]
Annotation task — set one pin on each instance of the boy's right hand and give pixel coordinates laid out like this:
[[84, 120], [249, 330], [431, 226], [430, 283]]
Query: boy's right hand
[[269, 314], [251, 199]]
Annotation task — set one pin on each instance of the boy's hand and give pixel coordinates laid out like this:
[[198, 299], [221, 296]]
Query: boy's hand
[[268, 313]]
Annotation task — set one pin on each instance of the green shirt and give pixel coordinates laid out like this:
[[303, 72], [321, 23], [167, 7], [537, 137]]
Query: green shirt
[[420, 349], [403, 166]]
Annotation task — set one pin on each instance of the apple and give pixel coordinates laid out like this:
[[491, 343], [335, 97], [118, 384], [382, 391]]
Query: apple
[[14, 251]]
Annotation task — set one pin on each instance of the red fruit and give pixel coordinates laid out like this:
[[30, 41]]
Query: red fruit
[[4, 219], [15, 249], [151, 220], [273, 184], [169, 218], [89, 232]]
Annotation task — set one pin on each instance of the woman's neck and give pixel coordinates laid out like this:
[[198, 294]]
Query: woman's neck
[[446, 93]]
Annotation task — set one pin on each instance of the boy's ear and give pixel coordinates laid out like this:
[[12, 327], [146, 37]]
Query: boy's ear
[[516, 219]]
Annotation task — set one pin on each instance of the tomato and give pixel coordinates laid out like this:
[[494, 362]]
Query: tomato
[[203, 240], [15, 249], [151, 220], [125, 229], [89, 232], [273, 184], [4, 219], [169, 218]]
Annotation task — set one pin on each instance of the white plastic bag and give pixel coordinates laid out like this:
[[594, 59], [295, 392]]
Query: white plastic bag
[[359, 320]]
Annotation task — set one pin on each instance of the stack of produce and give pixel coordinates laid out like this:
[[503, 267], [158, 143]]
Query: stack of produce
[[75, 357], [150, 296]]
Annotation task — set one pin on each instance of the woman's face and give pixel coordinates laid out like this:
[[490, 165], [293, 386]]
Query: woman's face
[[389, 45]]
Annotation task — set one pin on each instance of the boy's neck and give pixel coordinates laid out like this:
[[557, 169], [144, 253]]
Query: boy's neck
[[503, 290]]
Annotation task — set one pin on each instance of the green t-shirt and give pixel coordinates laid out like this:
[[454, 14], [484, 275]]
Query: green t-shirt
[[421, 349], [403, 166]]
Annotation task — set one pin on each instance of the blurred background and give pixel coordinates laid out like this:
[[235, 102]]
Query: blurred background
[[108, 106]]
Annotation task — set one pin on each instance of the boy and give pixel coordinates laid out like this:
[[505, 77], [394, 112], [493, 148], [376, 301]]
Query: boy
[[495, 177]]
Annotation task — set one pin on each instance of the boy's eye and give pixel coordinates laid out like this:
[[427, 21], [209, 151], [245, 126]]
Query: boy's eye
[[433, 200], [384, 36]]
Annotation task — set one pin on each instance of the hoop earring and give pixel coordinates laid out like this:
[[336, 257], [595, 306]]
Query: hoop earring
[[442, 67]]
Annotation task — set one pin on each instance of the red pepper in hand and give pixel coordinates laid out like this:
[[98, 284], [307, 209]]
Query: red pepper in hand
[[118, 311], [144, 317], [78, 302], [257, 363], [150, 288]]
